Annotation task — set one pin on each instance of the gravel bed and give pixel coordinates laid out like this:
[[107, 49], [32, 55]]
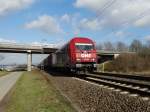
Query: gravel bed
[[92, 98]]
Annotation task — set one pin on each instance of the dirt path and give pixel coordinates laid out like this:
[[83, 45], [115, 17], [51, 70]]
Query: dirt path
[[6, 84]]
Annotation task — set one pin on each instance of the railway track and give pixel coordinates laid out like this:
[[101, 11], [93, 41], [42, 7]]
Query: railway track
[[132, 83], [131, 76]]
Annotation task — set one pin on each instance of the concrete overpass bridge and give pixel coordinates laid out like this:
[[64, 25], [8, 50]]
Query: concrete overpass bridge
[[27, 49]]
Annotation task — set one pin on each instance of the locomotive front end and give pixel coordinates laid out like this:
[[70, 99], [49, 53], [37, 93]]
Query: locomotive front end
[[86, 57]]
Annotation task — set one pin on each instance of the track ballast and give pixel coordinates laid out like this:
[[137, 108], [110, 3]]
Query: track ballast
[[131, 83]]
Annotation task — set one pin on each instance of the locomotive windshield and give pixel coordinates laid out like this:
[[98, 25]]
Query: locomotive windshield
[[84, 46]]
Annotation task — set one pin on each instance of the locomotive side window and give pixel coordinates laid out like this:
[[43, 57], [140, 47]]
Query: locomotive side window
[[84, 46]]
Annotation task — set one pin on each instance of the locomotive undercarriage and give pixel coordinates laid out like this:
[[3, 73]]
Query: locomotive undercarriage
[[78, 68], [83, 68]]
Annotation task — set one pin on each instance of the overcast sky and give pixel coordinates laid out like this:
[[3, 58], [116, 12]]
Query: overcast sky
[[57, 21]]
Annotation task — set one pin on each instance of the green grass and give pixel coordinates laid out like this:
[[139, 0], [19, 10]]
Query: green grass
[[2, 73], [34, 94]]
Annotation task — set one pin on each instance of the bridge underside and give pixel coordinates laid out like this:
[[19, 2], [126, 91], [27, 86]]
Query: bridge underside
[[104, 58], [33, 51]]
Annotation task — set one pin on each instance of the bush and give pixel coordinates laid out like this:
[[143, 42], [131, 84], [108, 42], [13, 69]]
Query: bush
[[129, 63]]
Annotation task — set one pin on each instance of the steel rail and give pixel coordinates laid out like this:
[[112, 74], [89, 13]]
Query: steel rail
[[124, 75]]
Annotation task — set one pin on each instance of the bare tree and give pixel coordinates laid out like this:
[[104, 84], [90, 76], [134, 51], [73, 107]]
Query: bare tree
[[99, 46], [148, 44], [108, 46], [121, 47], [145, 51], [136, 46]]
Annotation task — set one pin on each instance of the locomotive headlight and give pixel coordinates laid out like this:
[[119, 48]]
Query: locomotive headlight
[[78, 59], [93, 59]]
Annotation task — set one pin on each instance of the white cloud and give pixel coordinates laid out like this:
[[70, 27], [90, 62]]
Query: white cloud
[[147, 38], [143, 22], [90, 4], [120, 34], [37, 43], [7, 6], [43, 44], [119, 12], [89, 24], [66, 18], [2, 40], [45, 23]]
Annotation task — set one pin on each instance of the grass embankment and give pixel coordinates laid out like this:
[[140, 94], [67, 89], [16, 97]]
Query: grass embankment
[[2, 73], [34, 94]]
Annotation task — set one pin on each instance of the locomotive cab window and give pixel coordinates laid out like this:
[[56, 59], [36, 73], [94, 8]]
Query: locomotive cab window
[[84, 46]]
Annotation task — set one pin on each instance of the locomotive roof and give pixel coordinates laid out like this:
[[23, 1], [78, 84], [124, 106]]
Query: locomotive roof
[[81, 39], [76, 40]]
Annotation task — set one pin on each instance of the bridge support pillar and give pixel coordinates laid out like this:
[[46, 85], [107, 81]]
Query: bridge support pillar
[[29, 60]]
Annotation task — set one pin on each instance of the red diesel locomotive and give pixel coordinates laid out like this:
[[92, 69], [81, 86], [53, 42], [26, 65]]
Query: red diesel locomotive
[[79, 54]]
